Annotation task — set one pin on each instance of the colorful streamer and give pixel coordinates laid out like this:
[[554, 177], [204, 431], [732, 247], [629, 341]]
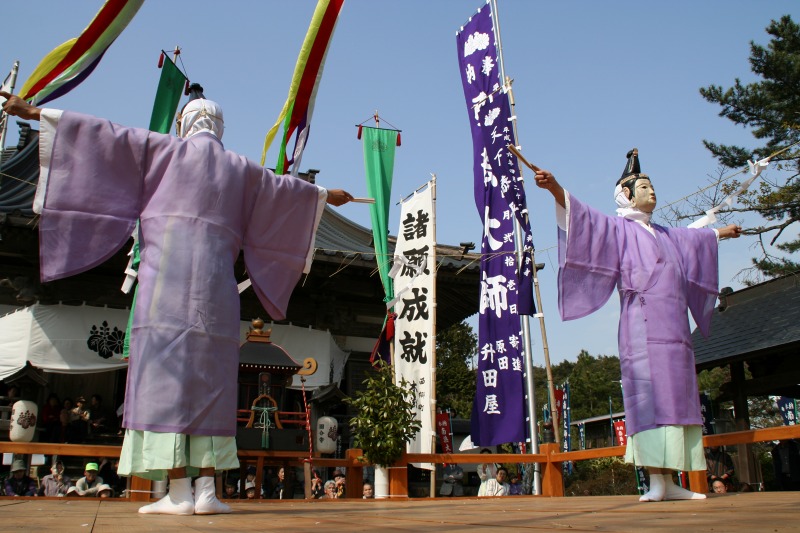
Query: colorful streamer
[[299, 106], [70, 63]]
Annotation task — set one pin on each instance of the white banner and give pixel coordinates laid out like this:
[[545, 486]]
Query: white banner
[[414, 274]]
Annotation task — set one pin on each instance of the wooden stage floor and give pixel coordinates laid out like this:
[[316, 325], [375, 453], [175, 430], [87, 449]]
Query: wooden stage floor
[[765, 511]]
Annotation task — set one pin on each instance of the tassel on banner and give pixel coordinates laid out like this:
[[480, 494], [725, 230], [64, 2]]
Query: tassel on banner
[[398, 139], [360, 128], [161, 60]]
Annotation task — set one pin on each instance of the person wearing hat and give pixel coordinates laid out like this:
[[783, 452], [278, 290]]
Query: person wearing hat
[[20, 483], [198, 206], [105, 491], [250, 490], [90, 483], [660, 274], [55, 483], [340, 479]]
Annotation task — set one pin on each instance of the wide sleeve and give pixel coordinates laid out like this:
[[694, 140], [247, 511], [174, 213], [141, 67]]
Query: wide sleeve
[[279, 237], [588, 257], [699, 253], [92, 191]]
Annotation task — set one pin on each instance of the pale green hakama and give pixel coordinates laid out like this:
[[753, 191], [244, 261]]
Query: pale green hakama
[[671, 447]]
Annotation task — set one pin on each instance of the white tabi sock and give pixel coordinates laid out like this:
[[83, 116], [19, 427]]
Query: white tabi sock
[[657, 488], [178, 501], [205, 497], [674, 492]]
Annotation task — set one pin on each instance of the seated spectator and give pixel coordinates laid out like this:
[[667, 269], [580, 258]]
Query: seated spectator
[[98, 420], [718, 486], [368, 492], [19, 483], [786, 462], [89, 483], [104, 491], [330, 490], [317, 490], [250, 490], [78, 427], [55, 483], [230, 491], [515, 486], [108, 473], [12, 395], [277, 489], [719, 466], [339, 480], [50, 418], [65, 417], [452, 483], [498, 485], [486, 472]]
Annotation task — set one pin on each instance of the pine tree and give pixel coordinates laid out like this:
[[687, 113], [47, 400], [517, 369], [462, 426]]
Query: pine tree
[[771, 109]]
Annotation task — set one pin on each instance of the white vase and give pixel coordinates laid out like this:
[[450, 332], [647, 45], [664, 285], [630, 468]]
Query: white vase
[[381, 482], [23, 421]]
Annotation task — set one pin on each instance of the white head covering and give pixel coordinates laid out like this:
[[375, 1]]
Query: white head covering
[[202, 115], [625, 207]]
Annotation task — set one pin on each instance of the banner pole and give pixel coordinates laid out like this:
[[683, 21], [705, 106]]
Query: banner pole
[[12, 83]]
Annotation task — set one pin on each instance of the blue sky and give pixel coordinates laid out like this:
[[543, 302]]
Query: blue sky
[[591, 80]]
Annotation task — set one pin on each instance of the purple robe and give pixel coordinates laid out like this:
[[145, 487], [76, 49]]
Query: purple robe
[[658, 277], [198, 205]]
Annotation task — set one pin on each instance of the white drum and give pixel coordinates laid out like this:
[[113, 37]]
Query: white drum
[[23, 421], [327, 432]]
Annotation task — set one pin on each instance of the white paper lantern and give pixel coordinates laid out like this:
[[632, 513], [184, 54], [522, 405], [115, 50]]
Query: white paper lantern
[[327, 432], [23, 421]]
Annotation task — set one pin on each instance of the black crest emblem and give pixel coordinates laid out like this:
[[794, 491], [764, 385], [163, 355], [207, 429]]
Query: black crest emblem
[[106, 341]]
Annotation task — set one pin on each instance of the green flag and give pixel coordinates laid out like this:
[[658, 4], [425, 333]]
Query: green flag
[[170, 89], [379, 145]]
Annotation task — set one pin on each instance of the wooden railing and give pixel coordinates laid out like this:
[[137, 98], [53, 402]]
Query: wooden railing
[[549, 457]]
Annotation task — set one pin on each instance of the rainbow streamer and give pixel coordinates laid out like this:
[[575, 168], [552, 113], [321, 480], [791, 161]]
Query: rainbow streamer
[[70, 63], [299, 106]]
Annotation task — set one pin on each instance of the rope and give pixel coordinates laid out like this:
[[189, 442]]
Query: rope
[[263, 422], [308, 423]]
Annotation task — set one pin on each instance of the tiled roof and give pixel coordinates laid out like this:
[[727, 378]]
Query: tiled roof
[[762, 318]]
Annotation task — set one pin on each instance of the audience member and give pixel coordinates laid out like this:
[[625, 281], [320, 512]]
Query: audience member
[[79, 421], [497, 486], [98, 419], [368, 491], [278, 488], [718, 486], [786, 461], [515, 486], [105, 491], [108, 473], [339, 480], [55, 483], [89, 484], [230, 491], [19, 483], [486, 472], [719, 465], [250, 490], [50, 418], [65, 418], [317, 490], [330, 490], [12, 395], [452, 484]]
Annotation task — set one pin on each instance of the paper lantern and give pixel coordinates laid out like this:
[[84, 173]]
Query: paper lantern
[[23, 421], [327, 432]]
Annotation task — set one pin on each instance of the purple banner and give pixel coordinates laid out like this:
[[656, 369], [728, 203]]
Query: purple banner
[[788, 409], [498, 414]]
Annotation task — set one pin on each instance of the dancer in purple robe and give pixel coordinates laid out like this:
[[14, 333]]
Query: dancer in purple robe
[[659, 273], [198, 206]]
